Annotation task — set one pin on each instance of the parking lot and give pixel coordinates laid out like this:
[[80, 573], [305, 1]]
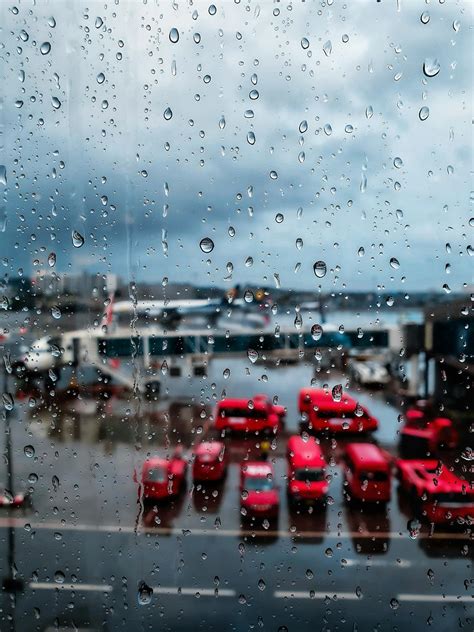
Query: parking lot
[[88, 552]]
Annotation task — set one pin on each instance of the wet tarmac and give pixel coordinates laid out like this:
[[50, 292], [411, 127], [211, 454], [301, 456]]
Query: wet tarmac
[[86, 544]]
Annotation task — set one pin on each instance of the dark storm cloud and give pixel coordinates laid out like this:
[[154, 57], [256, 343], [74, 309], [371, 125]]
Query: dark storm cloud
[[119, 170]]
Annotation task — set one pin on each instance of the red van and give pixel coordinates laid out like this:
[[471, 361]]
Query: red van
[[163, 478], [368, 475], [320, 411], [210, 461], [244, 415], [306, 470], [258, 492], [442, 497]]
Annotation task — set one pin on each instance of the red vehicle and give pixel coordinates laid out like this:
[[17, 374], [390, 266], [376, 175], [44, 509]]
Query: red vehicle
[[368, 476], [320, 411], [163, 477], [210, 461], [306, 470], [441, 496], [243, 415], [425, 435], [12, 500], [259, 495]]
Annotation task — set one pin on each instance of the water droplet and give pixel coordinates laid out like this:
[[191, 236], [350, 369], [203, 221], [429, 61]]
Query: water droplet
[[361, 251], [56, 103], [8, 401], [145, 594], [431, 67], [309, 573], [279, 217], [77, 239], [394, 603], [301, 157], [206, 245], [390, 301], [304, 43], [167, 114], [212, 9], [59, 577], [298, 322], [52, 22], [100, 78], [414, 527], [252, 355], [24, 35], [273, 175], [327, 48], [197, 38], [398, 163], [320, 269], [316, 331], [369, 112], [349, 129], [456, 25], [29, 451], [248, 114], [261, 584], [337, 393], [303, 127], [345, 38], [425, 17], [45, 48], [3, 175], [327, 129], [226, 374], [18, 103], [56, 312], [328, 552], [251, 138], [248, 296], [299, 243], [424, 113], [394, 263], [174, 35], [222, 122], [98, 22]]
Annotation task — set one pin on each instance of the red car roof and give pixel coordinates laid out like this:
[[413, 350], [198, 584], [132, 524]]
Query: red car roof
[[256, 468], [324, 401], [242, 403], [305, 452], [214, 448], [367, 454]]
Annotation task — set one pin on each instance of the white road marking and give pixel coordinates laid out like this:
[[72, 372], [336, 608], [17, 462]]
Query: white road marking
[[194, 592], [20, 523], [366, 563], [76, 587], [436, 598], [306, 594]]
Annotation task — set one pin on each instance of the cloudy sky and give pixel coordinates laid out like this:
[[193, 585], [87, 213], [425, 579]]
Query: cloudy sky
[[255, 125]]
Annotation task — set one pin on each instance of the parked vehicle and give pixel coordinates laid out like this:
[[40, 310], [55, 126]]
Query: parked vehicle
[[440, 495], [210, 461], [259, 495], [321, 411], [367, 475], [369, 372], [422, 435], [163, 478], [248, 416], [306, 470]]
